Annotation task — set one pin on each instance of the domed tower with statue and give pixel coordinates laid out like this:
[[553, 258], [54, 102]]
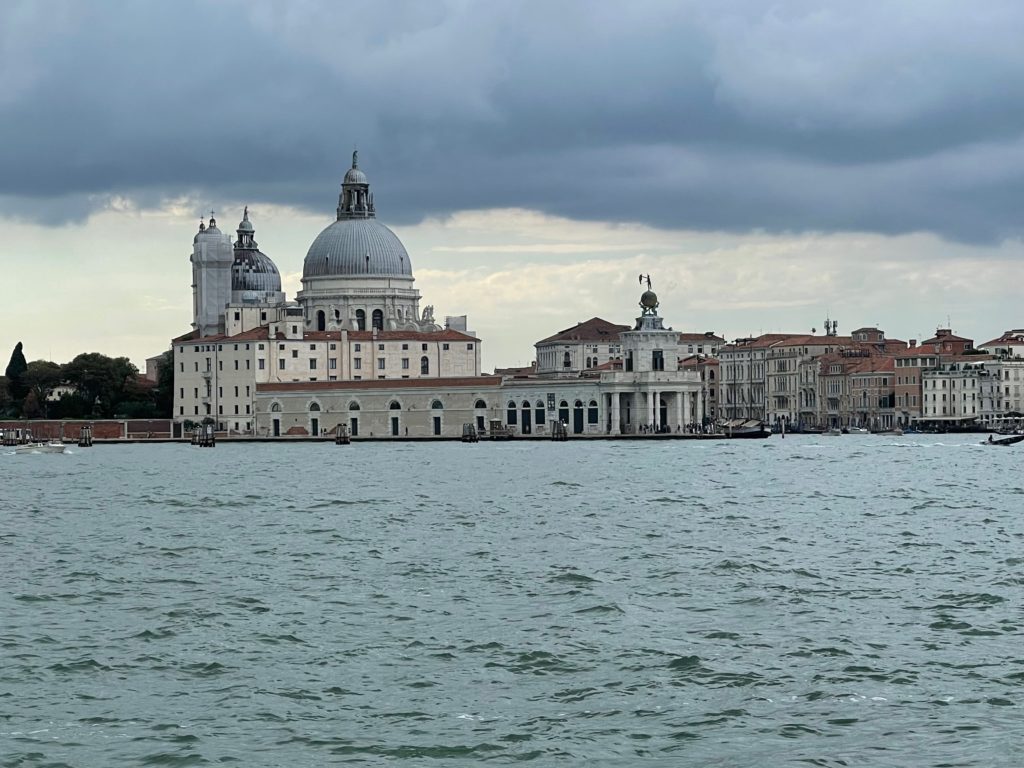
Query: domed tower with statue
[[357, 275]]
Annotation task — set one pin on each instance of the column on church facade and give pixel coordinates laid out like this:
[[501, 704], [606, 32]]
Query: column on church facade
[[615, 414], [679, 411]]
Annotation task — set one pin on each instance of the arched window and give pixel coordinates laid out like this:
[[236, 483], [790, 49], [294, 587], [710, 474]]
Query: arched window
[[567, 360], [275, 407], [321, 320], [592, 412], [314, 406], [538, 412], [511, 416], [563, 412], [436, 405], [360, 320], [337, 314], [711, 374], [353, 406], [378, 319], [480, 404], [578, 404], [424, 365], [395, 405]]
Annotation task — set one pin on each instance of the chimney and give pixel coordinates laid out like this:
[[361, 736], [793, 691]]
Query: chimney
[[913, 343]]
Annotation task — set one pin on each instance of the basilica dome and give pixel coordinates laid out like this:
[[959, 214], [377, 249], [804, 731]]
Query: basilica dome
[[356, 245]]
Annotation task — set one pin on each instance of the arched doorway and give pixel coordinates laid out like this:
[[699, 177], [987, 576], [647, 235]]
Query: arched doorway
[[436, 407], [563, 412], [395, 409], [527, 421], [539, 417], [314, 418], [353, 418], [662, 413], [275, 410], [480, 406], [378, 319], [510, 414], [360, 320], [592, 414], [577, 417], [321, 320]]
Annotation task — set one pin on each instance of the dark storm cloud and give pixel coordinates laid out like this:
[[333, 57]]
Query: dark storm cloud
[[783, 116]]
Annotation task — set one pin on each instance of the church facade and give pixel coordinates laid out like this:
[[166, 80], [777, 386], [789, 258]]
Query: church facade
[[355, 350]]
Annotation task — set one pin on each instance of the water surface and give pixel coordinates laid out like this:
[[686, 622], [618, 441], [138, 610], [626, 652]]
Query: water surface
[[807, 601]]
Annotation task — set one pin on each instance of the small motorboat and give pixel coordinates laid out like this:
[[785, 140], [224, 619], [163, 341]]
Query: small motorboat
[[1011, 440], [833, 432], [52, 446], [856, 431]]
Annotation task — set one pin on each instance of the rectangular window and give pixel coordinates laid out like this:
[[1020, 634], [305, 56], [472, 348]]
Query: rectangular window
[[261, 364], [312, 347], [359, 347], [181, 410], [405, 363], [380, 363], [220, 410], [236, 365], [405, 347], [380, 347], [236, 391], [424, 347], [357, 363], [181, 392], [444, 346], [246, 390], [312, 363], [260, 346], [220, 365], [247, 413], [248, 364], [196, 410], [236, 410], [295, 353], [280, 364], [195, 392], [334, 346], [469, 347], [236, 346], [333, 363], [280, 346], [197, 366], [181, 367], [220, 391]]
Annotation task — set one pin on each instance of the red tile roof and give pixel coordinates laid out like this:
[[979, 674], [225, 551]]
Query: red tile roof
[[594, 329], [472, 382], [699, 337]]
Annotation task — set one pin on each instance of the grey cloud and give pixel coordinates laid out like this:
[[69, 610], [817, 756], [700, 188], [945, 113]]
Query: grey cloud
[[787, 116]]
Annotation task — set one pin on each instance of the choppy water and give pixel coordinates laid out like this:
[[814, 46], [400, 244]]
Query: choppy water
[[807, 601]]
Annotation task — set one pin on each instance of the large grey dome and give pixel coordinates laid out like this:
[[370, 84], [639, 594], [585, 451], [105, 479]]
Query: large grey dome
[[356, 247]]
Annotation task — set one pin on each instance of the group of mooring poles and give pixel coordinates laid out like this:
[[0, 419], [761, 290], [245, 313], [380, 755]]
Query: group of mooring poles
[[204, 436]]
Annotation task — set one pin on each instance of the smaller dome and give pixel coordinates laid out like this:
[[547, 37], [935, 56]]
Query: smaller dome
[[254, 271], [355, 176], [649, 300], [245, 225]]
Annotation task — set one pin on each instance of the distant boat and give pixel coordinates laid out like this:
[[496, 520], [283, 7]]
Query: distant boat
[[833, 432], [856, 431], [53, 446], [895, 432], [1012, 439], [744, 428]]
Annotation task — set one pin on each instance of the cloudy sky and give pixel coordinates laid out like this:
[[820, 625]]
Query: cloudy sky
[[767, 162]]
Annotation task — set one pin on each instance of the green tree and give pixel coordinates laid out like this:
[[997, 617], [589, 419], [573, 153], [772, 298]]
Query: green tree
[[100, 381], [163, 395], [41, 378], [15, 370], [5, 396]]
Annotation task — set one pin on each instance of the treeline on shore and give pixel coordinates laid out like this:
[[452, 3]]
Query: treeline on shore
[[91, 386]]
